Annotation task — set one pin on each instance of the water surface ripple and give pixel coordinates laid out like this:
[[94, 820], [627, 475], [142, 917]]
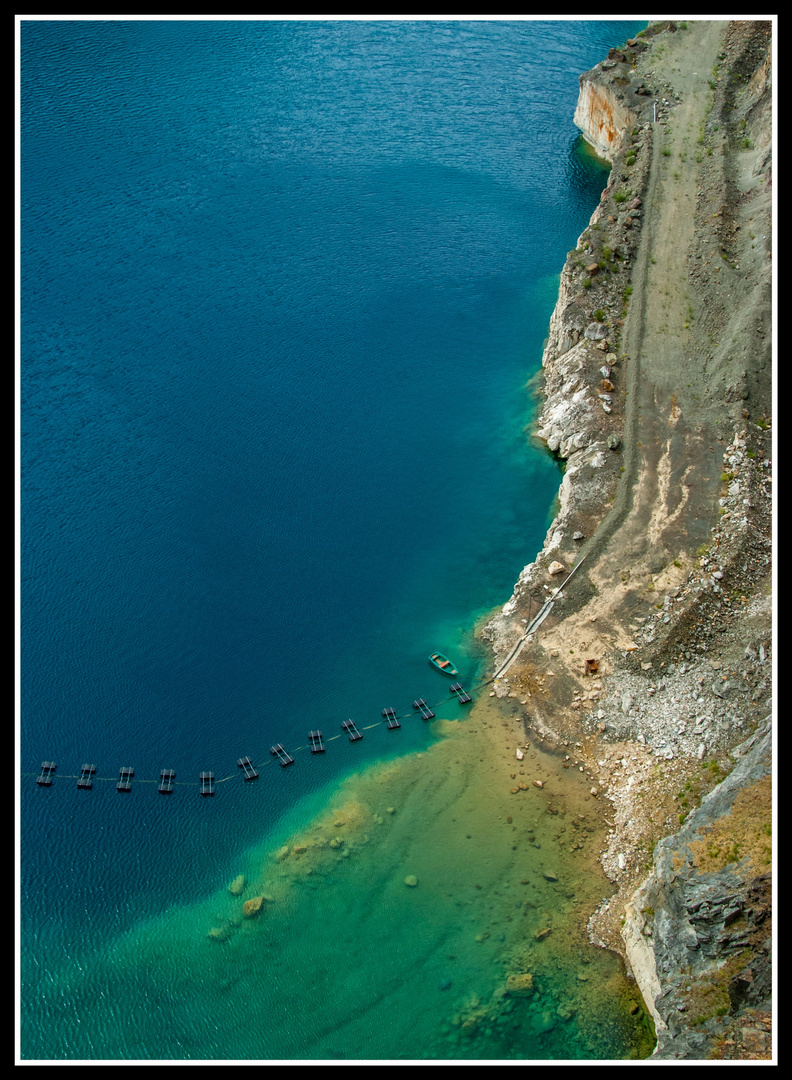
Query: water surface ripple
[[282, 286]]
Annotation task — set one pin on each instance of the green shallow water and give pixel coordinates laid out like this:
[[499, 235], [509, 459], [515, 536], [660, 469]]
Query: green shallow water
[[345, 960]]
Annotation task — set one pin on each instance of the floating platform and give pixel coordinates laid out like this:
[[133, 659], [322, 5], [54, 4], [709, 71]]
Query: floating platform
[[246, 764], [349, 727], [278, 752], [166, 781], [45, 776], [207, 783], [423, 709], [462, 695], [317, 746], [390, 716], [125, 779], [86, 773]]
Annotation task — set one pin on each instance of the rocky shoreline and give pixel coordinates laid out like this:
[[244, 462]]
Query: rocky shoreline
[[655, 669]]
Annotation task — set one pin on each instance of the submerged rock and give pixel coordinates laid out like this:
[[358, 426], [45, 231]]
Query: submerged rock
[[237, 886], [520, 985], [411, 880], [252, 907]]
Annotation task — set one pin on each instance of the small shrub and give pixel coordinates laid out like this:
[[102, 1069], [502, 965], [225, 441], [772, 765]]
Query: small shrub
[[665, 152], [599, 315]]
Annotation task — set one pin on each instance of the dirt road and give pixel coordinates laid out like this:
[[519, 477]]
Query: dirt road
[[678, 418]]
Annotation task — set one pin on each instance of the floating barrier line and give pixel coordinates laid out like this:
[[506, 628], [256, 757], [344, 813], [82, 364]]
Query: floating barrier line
[[266, 763]]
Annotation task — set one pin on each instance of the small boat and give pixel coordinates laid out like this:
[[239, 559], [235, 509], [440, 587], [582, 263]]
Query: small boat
[[442, 663]]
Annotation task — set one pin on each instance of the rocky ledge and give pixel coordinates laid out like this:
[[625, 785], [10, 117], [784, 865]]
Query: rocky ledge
[[698, 931], [584, 369]]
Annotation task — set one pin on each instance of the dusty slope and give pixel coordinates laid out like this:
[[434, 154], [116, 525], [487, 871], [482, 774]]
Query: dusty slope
[[674, 599]]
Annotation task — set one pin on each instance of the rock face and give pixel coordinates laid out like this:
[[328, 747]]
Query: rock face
[[579, 422], [698, 940], [603, 116], [613, 99]]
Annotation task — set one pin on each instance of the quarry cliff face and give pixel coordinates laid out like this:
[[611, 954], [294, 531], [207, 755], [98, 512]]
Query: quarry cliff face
[[658, 362], [613, 99], [602, 118]]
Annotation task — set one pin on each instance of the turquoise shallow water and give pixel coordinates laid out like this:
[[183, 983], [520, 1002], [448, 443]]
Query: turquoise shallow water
[[282, 286]]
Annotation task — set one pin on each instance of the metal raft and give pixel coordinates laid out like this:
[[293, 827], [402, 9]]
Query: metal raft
[[423, 709], [354, 734], [317, 746], [278, 752], [207, 783], [462, 695], [125, 779], [390, 716], [45, 777], [246, 764], [86, 773], [166, 781]]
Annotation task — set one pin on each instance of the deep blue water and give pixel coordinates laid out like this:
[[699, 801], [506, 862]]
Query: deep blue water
[[282, 286]]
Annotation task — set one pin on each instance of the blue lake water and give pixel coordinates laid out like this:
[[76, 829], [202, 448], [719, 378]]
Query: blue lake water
[[283, 284]]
